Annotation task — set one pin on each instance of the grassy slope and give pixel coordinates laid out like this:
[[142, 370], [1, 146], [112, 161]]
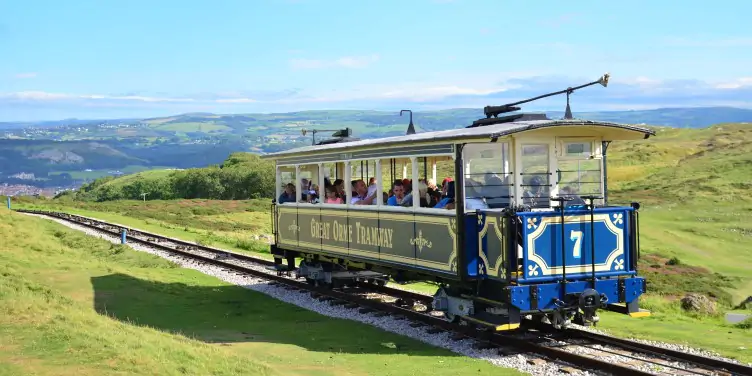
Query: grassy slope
[[75, 304]]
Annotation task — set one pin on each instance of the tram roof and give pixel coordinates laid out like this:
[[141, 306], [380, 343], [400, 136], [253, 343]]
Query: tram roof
[[462, 134]]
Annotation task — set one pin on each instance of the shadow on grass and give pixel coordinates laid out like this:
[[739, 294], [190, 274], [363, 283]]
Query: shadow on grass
[[233, 314]]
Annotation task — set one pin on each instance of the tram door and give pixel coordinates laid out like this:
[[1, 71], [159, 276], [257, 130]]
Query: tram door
[[534, 163]]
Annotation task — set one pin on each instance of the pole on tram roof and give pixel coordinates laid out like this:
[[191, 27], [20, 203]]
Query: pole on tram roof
[[411, 127]]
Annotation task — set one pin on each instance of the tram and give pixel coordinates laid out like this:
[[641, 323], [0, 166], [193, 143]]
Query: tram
[[508, 216]]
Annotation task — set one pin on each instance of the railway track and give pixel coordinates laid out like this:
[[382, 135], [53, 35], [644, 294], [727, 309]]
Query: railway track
[[573, 348]]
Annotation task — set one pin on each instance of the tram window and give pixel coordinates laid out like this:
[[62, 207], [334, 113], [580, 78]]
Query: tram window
[[334, 189], [288, 186], [580, 177], [363, 182], [309, 183], [489, 180], [536, 177], [396, 182]]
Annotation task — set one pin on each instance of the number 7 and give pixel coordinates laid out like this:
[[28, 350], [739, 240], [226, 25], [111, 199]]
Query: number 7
[[576, 236]]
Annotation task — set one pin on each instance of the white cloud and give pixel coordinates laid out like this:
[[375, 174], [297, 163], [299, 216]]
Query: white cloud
[[735, 84], [26, 75], [343, 62], [622, 93], [46, 96]]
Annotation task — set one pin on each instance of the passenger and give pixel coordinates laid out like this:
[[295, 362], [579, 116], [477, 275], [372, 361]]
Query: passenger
[[288, 195], [473, 200], [568, 192], [340, 185], [422, 193], [536, 196], [449, 198], [399, 194], [332, 197], [408, 185], [360, 194]]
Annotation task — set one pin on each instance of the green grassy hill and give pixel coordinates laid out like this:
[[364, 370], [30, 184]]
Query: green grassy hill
[[74, 304]]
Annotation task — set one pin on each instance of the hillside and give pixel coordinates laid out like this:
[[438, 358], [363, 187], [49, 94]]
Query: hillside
[[60, 163], [72, 304], [713, 164]]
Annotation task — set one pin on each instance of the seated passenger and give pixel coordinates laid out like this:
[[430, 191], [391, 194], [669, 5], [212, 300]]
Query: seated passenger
[[422, 193], [360, 194], [332, 197], [537, 195], [568, 192], [473, 199], [449, 198], [288, 195], [399, 194]]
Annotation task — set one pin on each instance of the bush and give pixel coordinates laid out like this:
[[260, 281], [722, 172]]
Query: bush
[[242, 176]]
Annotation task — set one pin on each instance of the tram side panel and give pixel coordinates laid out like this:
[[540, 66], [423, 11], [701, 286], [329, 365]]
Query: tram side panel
[[288, 225], [435, 242], [363, 234], [398, 229], [491, 242]]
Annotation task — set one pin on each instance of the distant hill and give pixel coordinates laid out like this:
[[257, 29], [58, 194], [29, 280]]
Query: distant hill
[[47, 159], [385, 122]]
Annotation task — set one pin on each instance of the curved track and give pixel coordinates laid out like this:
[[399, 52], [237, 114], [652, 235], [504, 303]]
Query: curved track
[[581, 349]]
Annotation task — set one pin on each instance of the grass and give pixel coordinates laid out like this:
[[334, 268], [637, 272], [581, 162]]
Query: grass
[[70, 303]]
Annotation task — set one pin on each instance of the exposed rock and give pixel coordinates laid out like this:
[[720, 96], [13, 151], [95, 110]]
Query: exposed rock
[[746, 304], [698, 303]]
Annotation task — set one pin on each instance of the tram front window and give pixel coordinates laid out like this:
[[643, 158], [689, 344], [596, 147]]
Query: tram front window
[[488, 176], [536, 175]]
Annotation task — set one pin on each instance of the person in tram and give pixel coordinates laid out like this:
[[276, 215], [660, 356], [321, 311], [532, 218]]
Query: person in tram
[[398, 190], [360, 194], [288, 195]]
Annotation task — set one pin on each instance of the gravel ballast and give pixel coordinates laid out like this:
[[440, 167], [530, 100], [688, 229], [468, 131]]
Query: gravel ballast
[[402, 327]]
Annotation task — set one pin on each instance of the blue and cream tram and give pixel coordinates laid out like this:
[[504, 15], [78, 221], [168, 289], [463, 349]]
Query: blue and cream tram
[[497, 250]]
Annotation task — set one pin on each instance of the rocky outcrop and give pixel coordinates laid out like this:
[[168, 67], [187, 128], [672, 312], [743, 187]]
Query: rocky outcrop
[[698, 303]]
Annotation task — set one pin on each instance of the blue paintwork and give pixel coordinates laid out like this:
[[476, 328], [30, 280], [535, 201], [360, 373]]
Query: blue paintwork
[[471, 246], [542, 251], [8, 202], [548, 292], [123, 236]]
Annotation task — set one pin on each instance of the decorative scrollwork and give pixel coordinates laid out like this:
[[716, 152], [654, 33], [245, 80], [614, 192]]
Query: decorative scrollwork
[[618, 218], [619, 264], [420, 241], [293, 227], [532, 223], [532, 270]]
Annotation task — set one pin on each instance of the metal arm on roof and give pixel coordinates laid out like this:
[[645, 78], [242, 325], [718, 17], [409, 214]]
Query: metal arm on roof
[[509, 107], [338, 133]]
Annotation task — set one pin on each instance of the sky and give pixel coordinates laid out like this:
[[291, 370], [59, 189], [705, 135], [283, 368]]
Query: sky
[[129, 59]]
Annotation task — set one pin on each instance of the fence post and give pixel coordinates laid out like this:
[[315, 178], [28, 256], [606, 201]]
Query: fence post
[[123, 236], [8, 202]]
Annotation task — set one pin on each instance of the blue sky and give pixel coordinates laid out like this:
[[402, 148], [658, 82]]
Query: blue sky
[[109, 59]]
